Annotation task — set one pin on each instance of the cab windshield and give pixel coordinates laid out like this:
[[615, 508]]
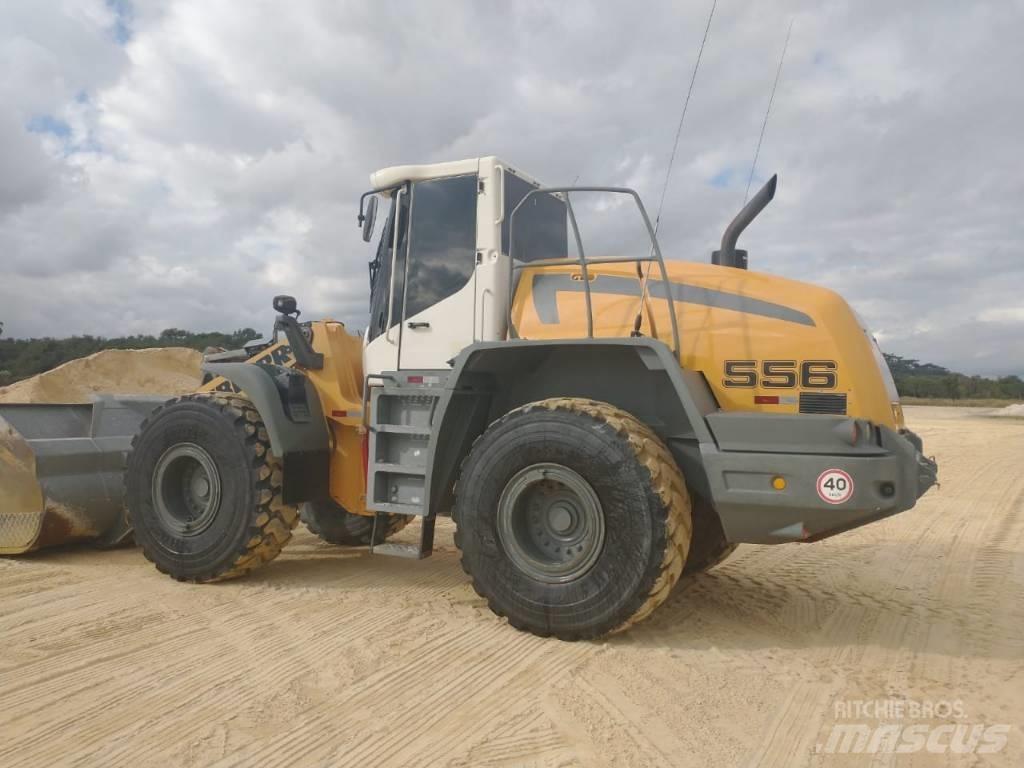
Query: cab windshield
[[380, 266]]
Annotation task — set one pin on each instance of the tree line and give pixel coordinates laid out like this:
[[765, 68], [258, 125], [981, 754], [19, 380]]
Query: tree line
[[917, 379], [22, 358]]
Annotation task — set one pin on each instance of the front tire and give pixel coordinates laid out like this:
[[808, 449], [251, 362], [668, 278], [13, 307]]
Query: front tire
[[203, 490], [573, 518]]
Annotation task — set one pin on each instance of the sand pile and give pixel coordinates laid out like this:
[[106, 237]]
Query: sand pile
[[171, 371]]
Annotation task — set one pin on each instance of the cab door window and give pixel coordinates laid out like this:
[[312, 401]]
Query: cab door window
[[442, 246]]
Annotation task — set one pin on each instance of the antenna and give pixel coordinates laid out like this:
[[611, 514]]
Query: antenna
[[668, 170], [679, 128], [764, 123]]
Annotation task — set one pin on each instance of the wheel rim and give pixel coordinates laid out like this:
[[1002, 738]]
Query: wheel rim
[[186, 489], [550, 523]]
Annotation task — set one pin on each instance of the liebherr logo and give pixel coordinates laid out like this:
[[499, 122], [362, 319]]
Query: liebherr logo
[[958, 738]]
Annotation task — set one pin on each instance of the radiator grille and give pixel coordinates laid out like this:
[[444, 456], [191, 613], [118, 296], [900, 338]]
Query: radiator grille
[[817, 402]]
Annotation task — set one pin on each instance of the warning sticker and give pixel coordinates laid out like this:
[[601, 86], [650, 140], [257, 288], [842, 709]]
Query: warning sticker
[[835, 486]]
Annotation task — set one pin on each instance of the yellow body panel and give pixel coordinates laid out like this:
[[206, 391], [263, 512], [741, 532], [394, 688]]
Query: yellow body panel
[[339, 384], [726, 315]]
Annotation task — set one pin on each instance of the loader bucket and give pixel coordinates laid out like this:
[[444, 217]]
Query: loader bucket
[[61, 471]]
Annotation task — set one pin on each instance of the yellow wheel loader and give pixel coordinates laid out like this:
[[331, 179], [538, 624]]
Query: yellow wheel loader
[[596, 425]]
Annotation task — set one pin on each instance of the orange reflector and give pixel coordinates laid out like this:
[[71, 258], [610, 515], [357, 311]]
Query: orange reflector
[[779, 483]]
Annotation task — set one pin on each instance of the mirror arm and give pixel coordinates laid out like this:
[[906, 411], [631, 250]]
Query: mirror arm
[[362, 199]]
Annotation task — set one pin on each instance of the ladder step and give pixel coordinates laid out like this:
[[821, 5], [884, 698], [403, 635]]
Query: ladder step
[[400, 469], [413, 510], [401, 429], [392, 549], [411, 551]]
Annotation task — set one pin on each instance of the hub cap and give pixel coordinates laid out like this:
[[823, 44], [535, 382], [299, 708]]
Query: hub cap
[[186, 489], [550, 523]]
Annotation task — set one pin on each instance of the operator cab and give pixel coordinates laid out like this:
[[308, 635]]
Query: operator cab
[[439, 279]]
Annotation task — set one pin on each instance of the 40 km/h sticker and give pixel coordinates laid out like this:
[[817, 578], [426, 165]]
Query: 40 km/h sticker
[[835, 486]]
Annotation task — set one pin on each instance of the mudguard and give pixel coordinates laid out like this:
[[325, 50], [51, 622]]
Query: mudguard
[[639, 375], [290, 408]]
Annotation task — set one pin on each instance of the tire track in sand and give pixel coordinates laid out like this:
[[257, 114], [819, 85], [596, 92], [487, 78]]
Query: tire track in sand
[[329, 657]]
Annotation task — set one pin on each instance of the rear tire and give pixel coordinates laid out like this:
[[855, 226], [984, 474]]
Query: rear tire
[[203, 490], [572, 517], [336, 525]]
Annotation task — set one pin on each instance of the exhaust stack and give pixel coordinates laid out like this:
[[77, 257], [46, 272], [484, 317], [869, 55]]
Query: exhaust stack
[[729, 255]]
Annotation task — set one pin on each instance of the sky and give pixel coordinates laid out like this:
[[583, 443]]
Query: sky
[[178, 163]]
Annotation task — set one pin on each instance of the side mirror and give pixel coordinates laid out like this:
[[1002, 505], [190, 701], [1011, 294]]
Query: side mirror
[[369, 218], [286, 305]]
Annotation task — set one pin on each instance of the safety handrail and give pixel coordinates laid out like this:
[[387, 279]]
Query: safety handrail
[[582, 261]]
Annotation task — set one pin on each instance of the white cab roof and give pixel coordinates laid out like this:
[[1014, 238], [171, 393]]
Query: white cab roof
[[389, 178], [386, 178]]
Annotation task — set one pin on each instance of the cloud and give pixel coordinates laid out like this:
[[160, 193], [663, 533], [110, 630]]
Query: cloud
[[28, 172], [177, 164]]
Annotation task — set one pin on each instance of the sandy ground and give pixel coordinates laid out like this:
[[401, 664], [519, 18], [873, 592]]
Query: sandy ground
[[333, 657]]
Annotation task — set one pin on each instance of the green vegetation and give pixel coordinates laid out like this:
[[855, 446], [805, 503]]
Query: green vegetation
[[916, 380], [21, 358], [965, 403]]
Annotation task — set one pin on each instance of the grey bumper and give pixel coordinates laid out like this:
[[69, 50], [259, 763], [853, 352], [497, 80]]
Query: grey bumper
[[927, 468], [888, 472]]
